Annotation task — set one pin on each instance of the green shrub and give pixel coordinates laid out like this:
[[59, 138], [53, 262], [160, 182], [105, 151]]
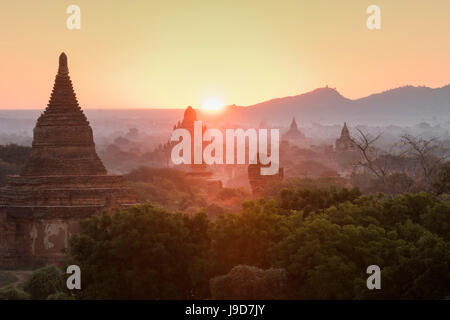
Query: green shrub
[[12, 293], [142, 252], [250, 283], [44, 282]]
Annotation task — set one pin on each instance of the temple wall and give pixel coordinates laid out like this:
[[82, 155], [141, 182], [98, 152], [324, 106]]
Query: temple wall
[[77, 197], [43, 240], [38, 215], [35, 242]]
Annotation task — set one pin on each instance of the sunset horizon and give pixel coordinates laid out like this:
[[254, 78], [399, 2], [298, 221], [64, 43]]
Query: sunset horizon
[[225, 159], [231, 103], [134, 58], [224, 104]]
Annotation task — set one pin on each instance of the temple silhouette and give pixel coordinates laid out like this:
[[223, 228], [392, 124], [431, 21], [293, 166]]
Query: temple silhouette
[[345, 142], [62, 182], [294, 136]]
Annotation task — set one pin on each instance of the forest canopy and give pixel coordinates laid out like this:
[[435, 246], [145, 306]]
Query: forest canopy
[[317, 242]]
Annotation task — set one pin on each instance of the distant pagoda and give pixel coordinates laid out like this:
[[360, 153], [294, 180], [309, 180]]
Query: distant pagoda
[[345, 142], [63, 181], [294, 135], [189, 117]]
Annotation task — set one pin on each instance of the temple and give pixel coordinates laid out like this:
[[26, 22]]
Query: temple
[[345, 142], [293, 135], [189, 117], [62, 182]]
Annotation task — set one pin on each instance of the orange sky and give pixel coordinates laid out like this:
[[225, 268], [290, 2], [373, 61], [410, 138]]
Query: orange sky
[[179, 53]]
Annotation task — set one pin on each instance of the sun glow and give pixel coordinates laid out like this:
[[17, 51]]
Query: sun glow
[[212, 104]]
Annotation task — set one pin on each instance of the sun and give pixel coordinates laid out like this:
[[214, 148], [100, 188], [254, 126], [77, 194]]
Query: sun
[[212, 104]]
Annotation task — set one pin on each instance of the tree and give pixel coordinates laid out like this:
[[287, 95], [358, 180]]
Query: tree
[[141, 252], [247, 237], [327, 253], [320, 242], [44, 282], [250, 283], [372, 159], [314, 199], [12, 293], [430, 154], [441, 183], [410, 166], [369, 153]]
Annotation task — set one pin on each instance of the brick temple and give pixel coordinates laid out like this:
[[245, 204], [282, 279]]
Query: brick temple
[[62, 182]]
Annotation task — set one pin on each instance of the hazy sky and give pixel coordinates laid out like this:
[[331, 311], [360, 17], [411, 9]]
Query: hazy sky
[[178, 53]]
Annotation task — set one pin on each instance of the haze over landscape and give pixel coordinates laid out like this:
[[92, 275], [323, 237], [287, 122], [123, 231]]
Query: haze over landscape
[[319, 114], [323, 150]]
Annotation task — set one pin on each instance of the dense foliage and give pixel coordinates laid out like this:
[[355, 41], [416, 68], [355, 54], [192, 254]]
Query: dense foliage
[[141, 253], [442, 182], [12, 293], [322, 239], [247, 282], [44, 282], [47, 283]]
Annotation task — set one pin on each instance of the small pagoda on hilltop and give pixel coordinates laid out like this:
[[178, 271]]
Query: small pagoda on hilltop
[[294, 135], [345, 142], [62, 182]]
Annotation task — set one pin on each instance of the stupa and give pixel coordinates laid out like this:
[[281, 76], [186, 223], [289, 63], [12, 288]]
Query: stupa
[[62, 182], [294, 135], [345, 142]]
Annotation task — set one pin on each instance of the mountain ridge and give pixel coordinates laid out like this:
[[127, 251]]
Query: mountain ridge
[[407, 103], [338, 93]]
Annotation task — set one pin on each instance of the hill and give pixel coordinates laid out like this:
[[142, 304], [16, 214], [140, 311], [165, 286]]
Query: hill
[[404, 105]]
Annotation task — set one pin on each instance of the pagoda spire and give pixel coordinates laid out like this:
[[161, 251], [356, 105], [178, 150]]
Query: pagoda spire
[[294, 124], [345, 132], [63, 98], [63, 67], [63, 141]]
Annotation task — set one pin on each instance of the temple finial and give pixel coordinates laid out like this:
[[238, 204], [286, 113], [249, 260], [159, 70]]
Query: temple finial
[[294, 124], [345, 131], [63, 68]]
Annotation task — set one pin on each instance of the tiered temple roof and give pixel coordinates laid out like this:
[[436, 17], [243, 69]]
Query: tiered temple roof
[[63, 142], [63, 181]]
